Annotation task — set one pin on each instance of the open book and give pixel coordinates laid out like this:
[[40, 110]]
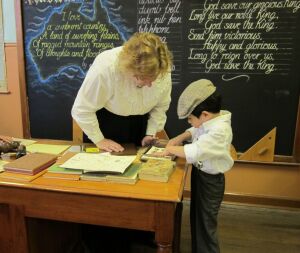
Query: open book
[[99, 163]]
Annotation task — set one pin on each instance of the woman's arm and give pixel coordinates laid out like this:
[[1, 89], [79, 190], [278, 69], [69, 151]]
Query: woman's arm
[[157, 116], [92, 96]]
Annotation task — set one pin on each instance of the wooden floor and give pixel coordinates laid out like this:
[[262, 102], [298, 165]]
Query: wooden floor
[[247, 229], [242, 229]]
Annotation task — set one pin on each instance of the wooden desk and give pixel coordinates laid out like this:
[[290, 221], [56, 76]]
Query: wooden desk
[[149, 206]]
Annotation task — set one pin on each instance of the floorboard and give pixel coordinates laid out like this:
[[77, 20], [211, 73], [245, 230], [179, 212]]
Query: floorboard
[[249, 229]]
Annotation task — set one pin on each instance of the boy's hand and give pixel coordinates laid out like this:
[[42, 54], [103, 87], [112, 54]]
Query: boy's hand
[[161, 154], [179, 139], [174, 142]]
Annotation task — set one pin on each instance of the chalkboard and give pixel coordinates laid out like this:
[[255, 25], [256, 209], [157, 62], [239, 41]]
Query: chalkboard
[[248, 49]]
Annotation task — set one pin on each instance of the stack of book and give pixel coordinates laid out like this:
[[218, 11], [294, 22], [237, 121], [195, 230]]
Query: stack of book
[[30, 164], [130, 176], [20, 177], [104, 163], [102, 167], [93, 176], [28, 167], [57, 172], [157, 170]]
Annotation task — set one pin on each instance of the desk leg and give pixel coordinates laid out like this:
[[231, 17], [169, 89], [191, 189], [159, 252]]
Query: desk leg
[[164, 232], [13, 236], [177, 229]]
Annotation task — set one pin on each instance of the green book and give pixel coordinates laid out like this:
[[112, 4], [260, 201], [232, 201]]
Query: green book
[[93, 176], [56, 169], [130, 176]]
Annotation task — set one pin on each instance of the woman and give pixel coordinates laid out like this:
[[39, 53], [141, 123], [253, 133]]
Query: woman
[[126, 92]]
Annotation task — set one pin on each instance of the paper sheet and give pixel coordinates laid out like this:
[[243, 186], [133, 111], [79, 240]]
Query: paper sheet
[[99, 162]]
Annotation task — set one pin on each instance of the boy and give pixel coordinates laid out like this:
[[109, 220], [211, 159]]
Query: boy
[[209, 152]]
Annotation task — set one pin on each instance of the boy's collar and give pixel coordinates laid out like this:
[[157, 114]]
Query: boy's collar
[[207, 124]]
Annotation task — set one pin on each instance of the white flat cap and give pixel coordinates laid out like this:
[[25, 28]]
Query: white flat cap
[[193, 95]]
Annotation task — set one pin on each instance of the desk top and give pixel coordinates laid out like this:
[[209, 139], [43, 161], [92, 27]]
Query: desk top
[[146, 190]]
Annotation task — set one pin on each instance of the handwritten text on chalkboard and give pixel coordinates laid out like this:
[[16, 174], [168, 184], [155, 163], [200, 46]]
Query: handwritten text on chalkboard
[[241, 37]]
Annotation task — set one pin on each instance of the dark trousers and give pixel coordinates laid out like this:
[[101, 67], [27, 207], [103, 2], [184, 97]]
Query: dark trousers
[[122, 129], [207, 193]]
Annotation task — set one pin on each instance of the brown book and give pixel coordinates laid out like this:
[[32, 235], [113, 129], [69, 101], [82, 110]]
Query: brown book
[[64, 176], [19, 177], [157, 170], [31, 164]]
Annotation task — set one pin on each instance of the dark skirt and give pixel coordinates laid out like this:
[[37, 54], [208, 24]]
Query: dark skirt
[[122, 129]]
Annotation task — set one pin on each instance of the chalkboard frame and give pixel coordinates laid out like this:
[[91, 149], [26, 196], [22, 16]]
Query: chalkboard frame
[[24, 98]]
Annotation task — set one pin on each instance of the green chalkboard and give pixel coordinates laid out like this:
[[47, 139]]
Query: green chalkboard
[[249, 50]]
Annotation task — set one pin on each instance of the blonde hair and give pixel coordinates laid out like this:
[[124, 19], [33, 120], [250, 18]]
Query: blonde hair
[[145, 55]]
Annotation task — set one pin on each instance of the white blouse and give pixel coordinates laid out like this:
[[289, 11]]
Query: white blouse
[[106, 87]]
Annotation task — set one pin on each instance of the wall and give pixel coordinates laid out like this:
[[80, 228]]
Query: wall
[[10, 104], [282, 182]]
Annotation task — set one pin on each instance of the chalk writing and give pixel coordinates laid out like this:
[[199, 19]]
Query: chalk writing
[[243, 37], [36, 2], [163, 18], [70, 37]]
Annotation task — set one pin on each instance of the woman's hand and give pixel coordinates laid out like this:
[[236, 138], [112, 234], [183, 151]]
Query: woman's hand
[[148, 140], [110, 146]]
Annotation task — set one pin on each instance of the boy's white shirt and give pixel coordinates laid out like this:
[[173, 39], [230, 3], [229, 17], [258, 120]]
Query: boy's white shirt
[[211, 145]]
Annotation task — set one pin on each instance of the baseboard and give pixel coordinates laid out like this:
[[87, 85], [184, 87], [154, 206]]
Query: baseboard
[[256, 200]]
